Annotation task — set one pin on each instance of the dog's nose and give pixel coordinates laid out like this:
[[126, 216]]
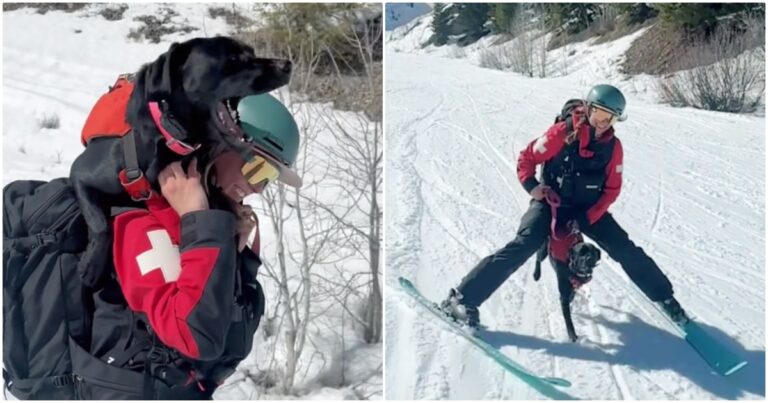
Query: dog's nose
[[284, 66]]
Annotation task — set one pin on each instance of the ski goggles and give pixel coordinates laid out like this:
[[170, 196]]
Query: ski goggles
[[603, 115], [259, 171], [240, 176]]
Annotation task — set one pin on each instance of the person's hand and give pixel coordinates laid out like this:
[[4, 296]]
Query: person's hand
[[183, 190], [540, 192]]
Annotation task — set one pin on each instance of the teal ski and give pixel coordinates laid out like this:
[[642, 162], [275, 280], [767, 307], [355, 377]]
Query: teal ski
[[718, 356], [542, 384]]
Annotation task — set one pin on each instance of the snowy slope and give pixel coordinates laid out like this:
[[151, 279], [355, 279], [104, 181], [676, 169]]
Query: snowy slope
[[51, 69], [693, 198]]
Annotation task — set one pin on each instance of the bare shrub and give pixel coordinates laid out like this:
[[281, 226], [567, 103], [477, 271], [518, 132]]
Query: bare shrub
[[231, 15], [526, 53], [114, 12], [155, 28], [349, 160], [458, 52], [49, 122], [605, 19], [43, 8], [316, 38], [727, 79], [495, 57], [521, 57]]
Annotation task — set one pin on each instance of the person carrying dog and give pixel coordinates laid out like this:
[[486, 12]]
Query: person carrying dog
[[582, 161], [184, 305]]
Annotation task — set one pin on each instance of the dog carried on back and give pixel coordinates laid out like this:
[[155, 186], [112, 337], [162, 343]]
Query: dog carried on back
[[182, 104]]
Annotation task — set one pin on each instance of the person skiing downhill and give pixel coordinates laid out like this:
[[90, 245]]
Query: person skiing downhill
[[582, 164], [184, 303]]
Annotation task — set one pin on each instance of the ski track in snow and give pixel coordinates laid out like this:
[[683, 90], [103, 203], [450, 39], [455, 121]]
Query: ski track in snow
[[453, 135]]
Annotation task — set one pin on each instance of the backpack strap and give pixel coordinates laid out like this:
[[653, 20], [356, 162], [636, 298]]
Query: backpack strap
[[26, 388], [132, 178], [166, 366]]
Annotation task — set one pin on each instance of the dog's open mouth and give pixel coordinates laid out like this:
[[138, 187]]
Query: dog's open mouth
[[229, 117], [231, 105]]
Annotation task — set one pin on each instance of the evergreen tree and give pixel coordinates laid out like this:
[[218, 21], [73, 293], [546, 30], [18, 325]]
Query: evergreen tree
[[471, 20], [440, 20], [637, 13], [697, 16], [573, 17], [502, 15]]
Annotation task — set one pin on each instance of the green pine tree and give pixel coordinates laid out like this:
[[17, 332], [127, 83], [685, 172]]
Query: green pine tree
[[502, 15], [470, 20], [573, 17], [697, 16], [636, 13], [440, 20]]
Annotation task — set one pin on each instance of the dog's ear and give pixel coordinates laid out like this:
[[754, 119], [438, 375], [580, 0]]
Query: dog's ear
[[162, 76]]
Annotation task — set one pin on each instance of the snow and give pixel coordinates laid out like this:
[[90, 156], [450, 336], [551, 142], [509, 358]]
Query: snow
[[693, 198], [58, 64]]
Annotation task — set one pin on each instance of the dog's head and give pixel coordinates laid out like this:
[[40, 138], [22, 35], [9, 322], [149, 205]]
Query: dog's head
[[200, 82], [582, 260]]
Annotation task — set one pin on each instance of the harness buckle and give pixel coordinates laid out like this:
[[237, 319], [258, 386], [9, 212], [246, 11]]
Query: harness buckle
[[45, 238], [158, 355], [134, 182]]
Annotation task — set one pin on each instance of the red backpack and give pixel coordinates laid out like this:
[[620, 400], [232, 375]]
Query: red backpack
[[107, 118]]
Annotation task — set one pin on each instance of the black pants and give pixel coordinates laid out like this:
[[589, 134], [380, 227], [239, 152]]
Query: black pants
[[493, 270]]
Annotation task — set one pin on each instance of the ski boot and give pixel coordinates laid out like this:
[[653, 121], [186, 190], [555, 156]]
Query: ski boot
[[673, 309], [461, 313]]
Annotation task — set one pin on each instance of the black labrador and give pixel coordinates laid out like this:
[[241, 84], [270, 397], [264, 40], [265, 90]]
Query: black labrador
[[577, 271], [198, 84]]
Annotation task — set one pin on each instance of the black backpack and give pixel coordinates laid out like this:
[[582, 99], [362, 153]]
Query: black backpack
[[44, 304], [48, 310]]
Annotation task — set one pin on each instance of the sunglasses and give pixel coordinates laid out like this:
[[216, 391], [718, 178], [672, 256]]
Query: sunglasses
[[602, 115]]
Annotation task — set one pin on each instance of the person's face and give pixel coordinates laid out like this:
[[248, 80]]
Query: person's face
[[601, 119], [238, 178]]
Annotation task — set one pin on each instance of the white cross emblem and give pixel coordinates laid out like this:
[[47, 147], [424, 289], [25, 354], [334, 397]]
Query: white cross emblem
[[540, 146], [164, 255]]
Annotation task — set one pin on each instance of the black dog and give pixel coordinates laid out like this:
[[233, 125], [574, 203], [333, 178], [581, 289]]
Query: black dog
[[582, 258], [196, 85]]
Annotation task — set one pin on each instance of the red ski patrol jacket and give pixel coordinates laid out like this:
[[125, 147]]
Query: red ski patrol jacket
[[601, 159], [180, 272]]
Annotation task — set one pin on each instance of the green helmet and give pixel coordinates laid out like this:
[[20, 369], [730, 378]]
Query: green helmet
[[608, 97], [270, 127]]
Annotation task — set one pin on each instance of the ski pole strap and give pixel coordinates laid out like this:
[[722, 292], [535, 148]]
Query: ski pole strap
[[554, 203]]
